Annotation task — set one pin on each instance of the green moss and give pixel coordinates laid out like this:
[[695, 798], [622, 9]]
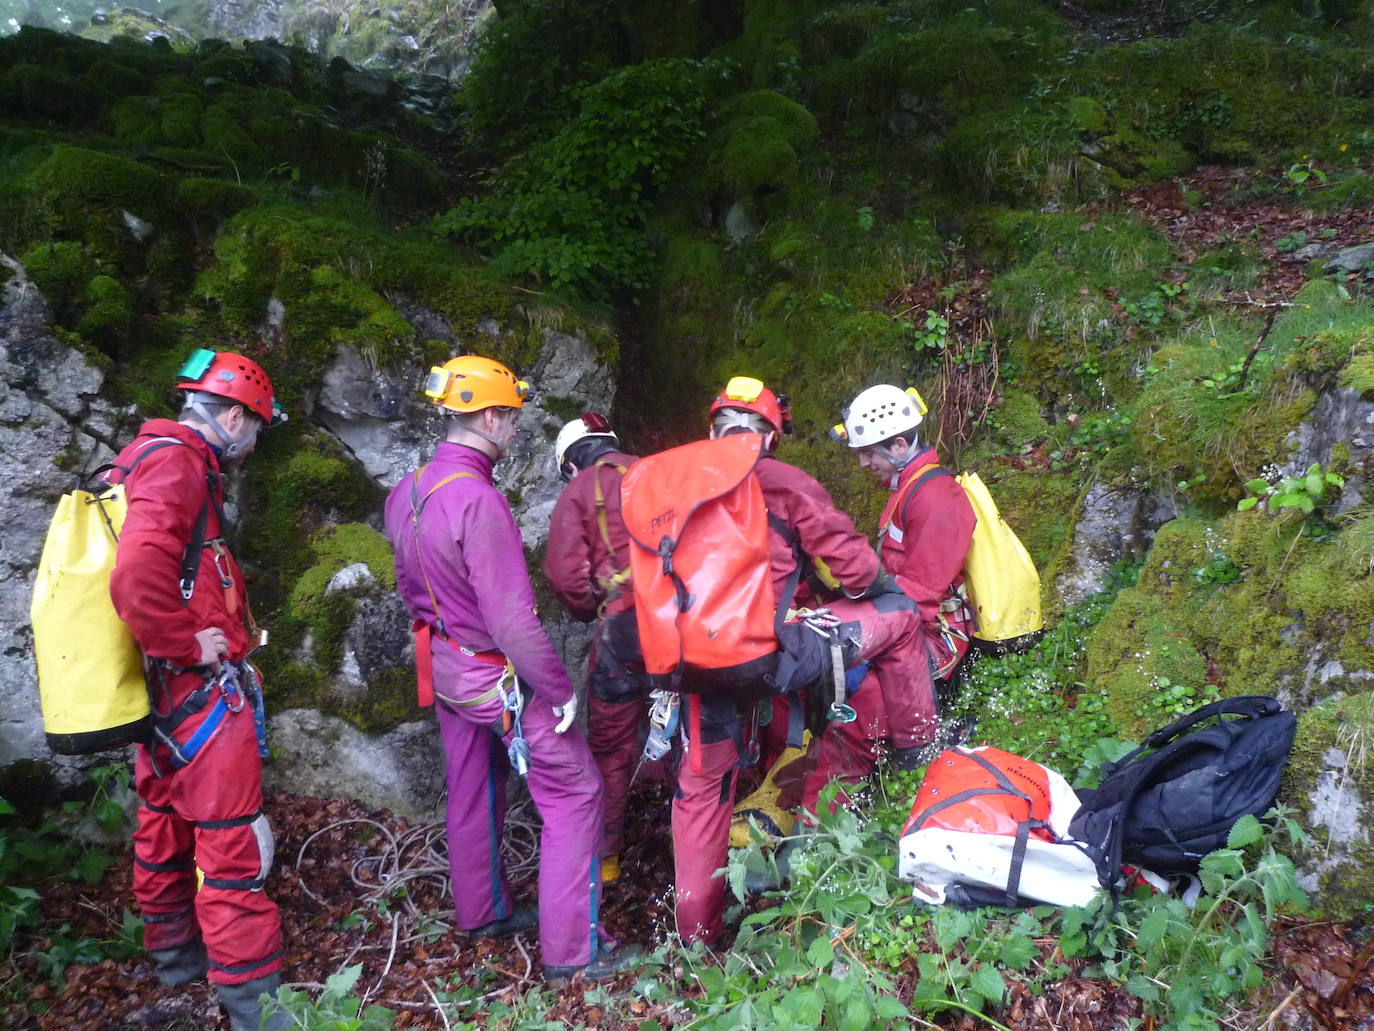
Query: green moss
[[80, 194], [1086, 114], [1038, 506], [1138, 646], [61, 270], [1017, 420], [1359, 376], [109, 311], [1338, 727]]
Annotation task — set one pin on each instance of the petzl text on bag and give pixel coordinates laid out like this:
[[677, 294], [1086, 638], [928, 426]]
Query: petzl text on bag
[[699, 564]]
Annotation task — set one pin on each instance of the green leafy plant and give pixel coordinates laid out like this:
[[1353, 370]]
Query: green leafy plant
[[1304, 175], [1218, 570], [1177, 700], [569, 210], [866, 221], [933, 334], [1289, 242], [1187, 965], [1305, 493], [337, 1009]]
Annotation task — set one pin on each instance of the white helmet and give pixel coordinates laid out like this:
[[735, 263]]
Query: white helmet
[[593, 424], [880, 413]]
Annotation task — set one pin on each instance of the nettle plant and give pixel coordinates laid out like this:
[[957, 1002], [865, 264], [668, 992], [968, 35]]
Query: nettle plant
[[1305, 493]]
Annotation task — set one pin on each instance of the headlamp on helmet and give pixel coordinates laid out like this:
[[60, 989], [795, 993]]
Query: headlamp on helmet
[[470, 383], [878, 414]]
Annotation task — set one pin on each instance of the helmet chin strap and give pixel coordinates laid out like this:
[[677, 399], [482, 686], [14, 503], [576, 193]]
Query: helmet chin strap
[[233, 449], [899, 463], [502, 446]]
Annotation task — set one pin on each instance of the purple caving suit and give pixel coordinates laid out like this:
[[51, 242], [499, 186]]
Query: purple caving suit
[[475, 560]]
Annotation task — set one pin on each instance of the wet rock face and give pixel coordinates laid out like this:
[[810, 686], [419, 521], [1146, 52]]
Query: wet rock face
[[1116, 522], [1340, 417], [400, 770], [53, 427]]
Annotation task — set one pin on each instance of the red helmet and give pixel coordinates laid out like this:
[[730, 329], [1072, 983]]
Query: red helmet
[[750, 395], [232, 377]]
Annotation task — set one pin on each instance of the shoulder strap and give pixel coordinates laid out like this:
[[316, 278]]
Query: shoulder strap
[[930, 471], [417, 505], [600, 495], [789, 591], [190, 558]]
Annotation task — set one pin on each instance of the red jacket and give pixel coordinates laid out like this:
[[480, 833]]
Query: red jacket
[[578, 561], [823, 530], [925, 544], [165, 493]]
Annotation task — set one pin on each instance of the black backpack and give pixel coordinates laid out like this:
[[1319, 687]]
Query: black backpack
[[1167, 809]]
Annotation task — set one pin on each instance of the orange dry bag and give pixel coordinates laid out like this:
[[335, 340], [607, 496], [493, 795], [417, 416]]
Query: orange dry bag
[[699, 565]]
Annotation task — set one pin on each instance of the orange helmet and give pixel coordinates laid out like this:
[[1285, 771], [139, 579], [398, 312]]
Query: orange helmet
[[232, 377], [744, 393], [470, 383]]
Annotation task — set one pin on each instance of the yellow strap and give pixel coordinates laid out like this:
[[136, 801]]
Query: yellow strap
[[619, 579], [415, 510]]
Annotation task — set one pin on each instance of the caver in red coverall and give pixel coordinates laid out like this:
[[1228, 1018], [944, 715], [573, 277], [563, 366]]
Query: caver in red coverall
[[924, 539], [208, 814], [891, 640], [582, 564]]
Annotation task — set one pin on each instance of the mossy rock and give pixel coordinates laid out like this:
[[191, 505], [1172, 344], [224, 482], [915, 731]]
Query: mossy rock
[[1359, 376], [1328, 780], [1139, 652], [61, 270], [108, 314], [1038, 506], [81, 194]]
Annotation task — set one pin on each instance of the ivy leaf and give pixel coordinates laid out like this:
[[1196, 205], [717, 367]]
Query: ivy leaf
[[1246, 504], [1245, 831], [1257, 486]]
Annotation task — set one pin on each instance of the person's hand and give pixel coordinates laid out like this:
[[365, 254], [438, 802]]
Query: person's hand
[[568, 710], [213, 647]]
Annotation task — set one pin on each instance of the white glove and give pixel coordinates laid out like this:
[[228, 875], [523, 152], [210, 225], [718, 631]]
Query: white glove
[[568, 710]]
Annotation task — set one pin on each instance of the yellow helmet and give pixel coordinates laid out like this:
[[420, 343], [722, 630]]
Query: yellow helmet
[[470, 383]]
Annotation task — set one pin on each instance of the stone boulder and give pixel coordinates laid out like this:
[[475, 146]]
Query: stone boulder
[[321, 755], [53, 428]]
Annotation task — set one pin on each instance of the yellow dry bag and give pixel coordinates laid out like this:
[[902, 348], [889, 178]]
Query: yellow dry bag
[[1002, 582], [90, 670]]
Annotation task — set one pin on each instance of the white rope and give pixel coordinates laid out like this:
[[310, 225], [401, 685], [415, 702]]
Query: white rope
[[421, 855]]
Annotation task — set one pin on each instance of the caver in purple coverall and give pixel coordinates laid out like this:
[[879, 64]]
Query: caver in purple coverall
[[475, 561]]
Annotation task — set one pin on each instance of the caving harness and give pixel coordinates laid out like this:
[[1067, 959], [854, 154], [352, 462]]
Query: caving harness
[[513, 694], [226, 689]]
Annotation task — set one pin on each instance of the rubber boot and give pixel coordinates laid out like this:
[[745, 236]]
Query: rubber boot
[[246, 1013], [181, 964], [606, 965], [521, 919]]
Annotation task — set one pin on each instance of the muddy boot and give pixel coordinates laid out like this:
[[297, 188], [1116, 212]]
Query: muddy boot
[[181, 964], [606, 965], [246, 1013], [521, 919]]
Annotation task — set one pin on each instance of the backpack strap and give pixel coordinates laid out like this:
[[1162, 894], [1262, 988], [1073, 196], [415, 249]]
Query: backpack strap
[[897, 506], [190, 558], [1249, 706], [621, 577], [417, 505]]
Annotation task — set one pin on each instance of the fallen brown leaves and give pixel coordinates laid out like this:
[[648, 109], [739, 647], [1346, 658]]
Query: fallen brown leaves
[[1322, 975]]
